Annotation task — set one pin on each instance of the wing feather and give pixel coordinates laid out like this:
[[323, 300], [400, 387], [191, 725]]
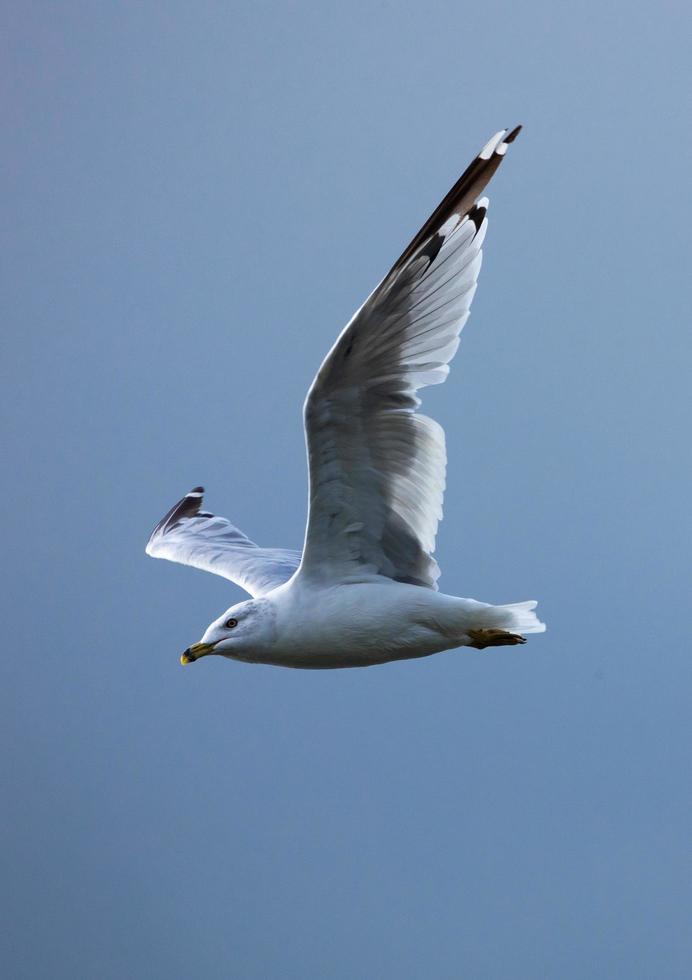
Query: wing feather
[[377, 466], [192, 536]]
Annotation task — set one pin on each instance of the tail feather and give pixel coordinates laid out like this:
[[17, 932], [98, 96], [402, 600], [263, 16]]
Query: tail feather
[[518, 617]]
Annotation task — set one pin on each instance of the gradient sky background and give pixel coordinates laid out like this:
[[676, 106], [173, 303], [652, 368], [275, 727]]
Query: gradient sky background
[[197, 197]]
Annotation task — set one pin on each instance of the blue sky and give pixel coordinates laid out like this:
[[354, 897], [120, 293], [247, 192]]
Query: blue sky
[[197, 197]]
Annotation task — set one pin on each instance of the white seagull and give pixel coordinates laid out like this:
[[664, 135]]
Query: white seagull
[[364, 590]]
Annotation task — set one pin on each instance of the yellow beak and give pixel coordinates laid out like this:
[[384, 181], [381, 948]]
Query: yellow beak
[[194, 652]]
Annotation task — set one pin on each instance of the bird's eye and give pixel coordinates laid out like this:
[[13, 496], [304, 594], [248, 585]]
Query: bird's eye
[[230, 623]]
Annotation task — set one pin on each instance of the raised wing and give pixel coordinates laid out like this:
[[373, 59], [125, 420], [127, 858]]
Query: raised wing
[[377, 468], [196, 537]]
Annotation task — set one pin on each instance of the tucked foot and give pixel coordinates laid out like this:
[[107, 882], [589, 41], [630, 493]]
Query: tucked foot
[[480, 639]]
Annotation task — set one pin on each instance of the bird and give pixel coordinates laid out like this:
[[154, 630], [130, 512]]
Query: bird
[[363, 590]]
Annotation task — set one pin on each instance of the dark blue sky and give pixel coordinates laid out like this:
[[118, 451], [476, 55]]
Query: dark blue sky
[[197, 197]]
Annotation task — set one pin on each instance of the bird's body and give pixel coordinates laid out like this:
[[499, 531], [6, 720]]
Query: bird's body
[[359, 624], [363, 623], [363, 590]]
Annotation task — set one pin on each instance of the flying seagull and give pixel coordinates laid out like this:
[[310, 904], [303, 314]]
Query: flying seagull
[[364, 589]]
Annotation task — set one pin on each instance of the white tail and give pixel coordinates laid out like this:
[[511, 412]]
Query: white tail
[[517, 617]]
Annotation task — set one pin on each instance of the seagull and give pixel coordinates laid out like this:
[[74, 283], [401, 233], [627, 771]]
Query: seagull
[[363, 590]]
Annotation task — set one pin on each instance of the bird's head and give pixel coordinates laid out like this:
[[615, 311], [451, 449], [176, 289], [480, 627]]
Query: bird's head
[[241, 633]]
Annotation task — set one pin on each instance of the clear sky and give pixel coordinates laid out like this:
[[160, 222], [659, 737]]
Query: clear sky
[[196, 198]]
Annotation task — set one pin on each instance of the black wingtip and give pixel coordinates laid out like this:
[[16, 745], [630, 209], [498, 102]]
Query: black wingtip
[[477, 214], [459, 200], [510, 138], [188, 506]]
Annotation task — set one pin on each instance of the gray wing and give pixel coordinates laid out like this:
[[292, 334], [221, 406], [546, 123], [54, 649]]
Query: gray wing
[[377, 467], [192, 536]]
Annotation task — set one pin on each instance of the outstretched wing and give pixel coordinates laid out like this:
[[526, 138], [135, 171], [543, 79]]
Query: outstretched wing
[[196, 537], [377, 468]]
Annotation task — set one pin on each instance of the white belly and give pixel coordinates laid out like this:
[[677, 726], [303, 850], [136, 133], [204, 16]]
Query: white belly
[[363, 624]]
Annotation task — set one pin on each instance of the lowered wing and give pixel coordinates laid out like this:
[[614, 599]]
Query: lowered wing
[[196, 537]]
